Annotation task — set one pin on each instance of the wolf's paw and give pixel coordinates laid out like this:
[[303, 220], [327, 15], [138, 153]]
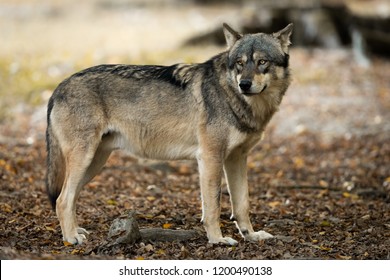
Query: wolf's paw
[[224, 240], [258, 235], [78, 238]]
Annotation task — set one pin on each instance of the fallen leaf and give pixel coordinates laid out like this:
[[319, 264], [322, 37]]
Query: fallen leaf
[[324, 248], [342, 257], [149, 247], [325, 223], [274, 204], [77, 251], [251, 165], [50, 229], [66, 243], [5, 207], [167, 226], [111, 202], [322, 193], [299, 162], [160, 252], [127, 205], [350, 195], [184, 170], [323, 183]]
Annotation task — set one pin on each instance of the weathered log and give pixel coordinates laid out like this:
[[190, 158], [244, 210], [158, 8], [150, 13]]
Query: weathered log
[[126, 231], [167, 235]]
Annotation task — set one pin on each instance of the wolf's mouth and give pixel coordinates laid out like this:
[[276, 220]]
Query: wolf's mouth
[[255, 93], [265, 86]]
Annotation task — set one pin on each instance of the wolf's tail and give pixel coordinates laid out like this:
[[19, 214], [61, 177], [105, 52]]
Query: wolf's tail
[[55, 161]]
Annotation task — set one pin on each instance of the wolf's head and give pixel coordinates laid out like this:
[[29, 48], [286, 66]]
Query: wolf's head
[[259, 61]]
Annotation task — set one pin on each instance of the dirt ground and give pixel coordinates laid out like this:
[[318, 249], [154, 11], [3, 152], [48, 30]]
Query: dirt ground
[[319, 182]]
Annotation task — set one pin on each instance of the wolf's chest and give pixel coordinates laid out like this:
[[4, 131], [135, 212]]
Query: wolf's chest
[[242, 140]]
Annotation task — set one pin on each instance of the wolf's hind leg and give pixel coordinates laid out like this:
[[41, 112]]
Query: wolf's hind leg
[[100, 158], [78, 161]]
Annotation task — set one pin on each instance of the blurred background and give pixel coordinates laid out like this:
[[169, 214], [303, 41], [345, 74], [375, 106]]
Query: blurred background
[[336, 43]]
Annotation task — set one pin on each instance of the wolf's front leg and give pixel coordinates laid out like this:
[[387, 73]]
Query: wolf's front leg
[[210, 171], [235, 168]]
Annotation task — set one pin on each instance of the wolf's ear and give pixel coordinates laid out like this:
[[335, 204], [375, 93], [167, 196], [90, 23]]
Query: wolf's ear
[[231, 35], [284, 36]]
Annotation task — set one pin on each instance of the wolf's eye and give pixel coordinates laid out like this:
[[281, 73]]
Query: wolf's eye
[[262, 62], [239, 62]]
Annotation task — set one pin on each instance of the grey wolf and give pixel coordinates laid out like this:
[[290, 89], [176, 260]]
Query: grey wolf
[[214, 112]]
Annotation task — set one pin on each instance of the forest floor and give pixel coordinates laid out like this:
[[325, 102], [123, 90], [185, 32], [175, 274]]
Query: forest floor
[[319, 181]]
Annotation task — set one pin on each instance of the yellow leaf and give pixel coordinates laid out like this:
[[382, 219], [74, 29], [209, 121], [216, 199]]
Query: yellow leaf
[[251, 165], [346, 194], [146, 217], [323, 248], [342, 257], [49, 228], [139, 258], [274, 204], [350, 195], [77, 251], [6, 208], [298, 162], [150, 198], [324, 184], [7, 166], [66, 243], [160, 252], [112, 202], [325, 223], [167, 226], [184, 170]]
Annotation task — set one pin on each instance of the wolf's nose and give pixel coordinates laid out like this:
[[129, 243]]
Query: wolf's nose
[[245, 84]]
